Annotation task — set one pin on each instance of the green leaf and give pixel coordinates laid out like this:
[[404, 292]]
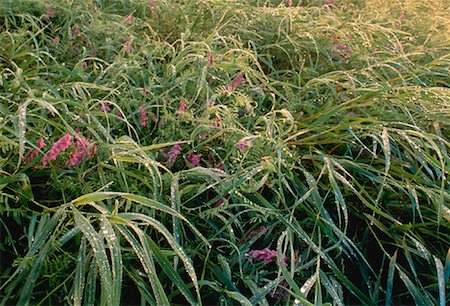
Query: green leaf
[[390, 279], [96, 242]]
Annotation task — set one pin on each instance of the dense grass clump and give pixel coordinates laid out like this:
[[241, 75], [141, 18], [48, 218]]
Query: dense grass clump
[[224, 152]]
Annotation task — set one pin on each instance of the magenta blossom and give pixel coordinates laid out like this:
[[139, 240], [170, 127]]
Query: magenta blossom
[[194, 159], [82, 148], [182, 108], [235, 84], [105, 107], [265, 255], [127, 47], [144, 117], [128, 20], [243, 145], [59, 146], [289, 2], [173, 153]]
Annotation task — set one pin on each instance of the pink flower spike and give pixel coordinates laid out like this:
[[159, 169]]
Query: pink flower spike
[[75, 31], [144, 117], [41, 143], [127, 47], [51, 12], [76, 157], [181, 108], [128, 20], [61, 145], [265, 255], [289, 2], [84, 65], [235, 84], [328, 2], [119, 116], [64, 142], [173, 153], [211, 59], [194, 159], [243, 145], [56, 40], [105, 107]]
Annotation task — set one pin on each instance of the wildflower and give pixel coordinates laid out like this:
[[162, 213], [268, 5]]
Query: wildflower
[[211, 59], [243, 145], [218, 121], [82, 148], [144, 91], [41, 143], [219, 202], [33, 153], [265, 255], [235, 84], [154, 119], [59, 146], [194, 159], [127, 46], [144, 117], [84, 65], [75, 31], [105, 107], [289, 2], [173, 153], [56, 40], [119, 116], [181, 109], [328, 2], [128, 20], [51, 12]]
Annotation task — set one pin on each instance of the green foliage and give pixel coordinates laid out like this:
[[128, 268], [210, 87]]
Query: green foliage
[[203, 130]]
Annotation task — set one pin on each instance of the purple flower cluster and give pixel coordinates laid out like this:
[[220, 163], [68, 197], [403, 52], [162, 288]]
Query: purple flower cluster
[[194, 159], [173, 153], [235, 84], [265, 255], [59, 146]]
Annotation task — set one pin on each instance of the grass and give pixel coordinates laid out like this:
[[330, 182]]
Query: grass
[[203, 133]]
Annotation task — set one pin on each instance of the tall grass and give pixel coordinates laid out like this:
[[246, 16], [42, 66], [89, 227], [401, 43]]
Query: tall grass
[[224, 152]]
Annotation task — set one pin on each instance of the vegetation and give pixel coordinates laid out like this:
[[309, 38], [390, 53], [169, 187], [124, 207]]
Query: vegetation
[[224, 152]]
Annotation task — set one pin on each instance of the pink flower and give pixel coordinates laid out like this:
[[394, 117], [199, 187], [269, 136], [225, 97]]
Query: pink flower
[[173, 153], [56, 40], [84, 65], [75, 31], [211, 59], [289, 2], [154, 119], [144, 91], [219, 202], [328, 2], [128, 20], [243, 145], [119, 116], [181, 109], [194, 159], [51, 12], [235, 84], [61, 145], [127, 46], [218, 121], [265, 255], [41, 143], [144, 117], [105, 107], [82, 147]]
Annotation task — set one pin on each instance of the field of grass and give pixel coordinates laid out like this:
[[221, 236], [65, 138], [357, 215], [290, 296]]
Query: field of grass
[[217, 152]]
